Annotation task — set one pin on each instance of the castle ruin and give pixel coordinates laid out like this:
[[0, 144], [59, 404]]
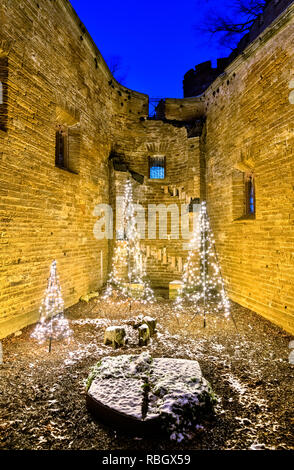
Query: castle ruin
[[68, 130]]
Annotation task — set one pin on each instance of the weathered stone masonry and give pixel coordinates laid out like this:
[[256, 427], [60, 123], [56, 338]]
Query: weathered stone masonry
[[53, 74], [250, 122]]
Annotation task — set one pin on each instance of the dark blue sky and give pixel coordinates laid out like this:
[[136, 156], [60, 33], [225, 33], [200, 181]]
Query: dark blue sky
[[156, 40]]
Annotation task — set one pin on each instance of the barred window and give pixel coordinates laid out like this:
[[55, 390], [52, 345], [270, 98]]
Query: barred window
[[157, 167]]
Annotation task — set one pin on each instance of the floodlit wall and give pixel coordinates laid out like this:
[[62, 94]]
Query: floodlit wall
[[249, 127], [53, 75]]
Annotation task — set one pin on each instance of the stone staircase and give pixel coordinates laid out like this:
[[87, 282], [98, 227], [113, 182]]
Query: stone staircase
[[160, 258], [178, 192], [164, 258]]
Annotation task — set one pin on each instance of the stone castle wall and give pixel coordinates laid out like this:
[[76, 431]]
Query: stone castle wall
[[197, 80], [165, 257], [53, 74], [250, 124]]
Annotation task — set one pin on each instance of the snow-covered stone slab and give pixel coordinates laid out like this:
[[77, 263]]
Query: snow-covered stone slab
[[145, 394], [130, 400]]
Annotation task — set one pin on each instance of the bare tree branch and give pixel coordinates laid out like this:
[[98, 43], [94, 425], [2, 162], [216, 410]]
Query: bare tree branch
[[229, 27], [116, 67]]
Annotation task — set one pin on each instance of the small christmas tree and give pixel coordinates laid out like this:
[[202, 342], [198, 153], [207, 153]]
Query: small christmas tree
[[203, 286], [128, 253], [52, 324]]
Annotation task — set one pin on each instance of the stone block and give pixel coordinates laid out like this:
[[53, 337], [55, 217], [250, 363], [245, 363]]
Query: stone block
[[115, 335], [151, 323], [144, 335], [175, 288]]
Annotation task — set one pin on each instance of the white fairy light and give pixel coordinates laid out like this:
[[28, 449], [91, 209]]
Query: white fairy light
[[52, 323], [128, 252], [203, 285]]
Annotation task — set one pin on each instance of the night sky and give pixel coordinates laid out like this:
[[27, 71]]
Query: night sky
[[156, 41]]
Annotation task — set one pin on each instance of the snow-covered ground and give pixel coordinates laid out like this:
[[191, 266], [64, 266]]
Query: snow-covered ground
[[42, 396]]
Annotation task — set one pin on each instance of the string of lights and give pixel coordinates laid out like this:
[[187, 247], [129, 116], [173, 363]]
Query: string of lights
[[52, 324], [203, 285], [127, 252]]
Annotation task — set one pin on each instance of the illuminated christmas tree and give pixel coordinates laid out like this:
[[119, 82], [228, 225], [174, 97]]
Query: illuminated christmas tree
[[128, 253], [52, 324], [203, 286]]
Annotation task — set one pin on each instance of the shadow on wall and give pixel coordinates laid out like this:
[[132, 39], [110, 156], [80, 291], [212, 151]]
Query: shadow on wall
[[3, 93]]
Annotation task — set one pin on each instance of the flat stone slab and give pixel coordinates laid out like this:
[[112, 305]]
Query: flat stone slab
[[144, 395]]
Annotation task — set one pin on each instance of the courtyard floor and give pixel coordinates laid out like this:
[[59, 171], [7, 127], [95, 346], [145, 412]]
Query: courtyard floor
[[42, 395]]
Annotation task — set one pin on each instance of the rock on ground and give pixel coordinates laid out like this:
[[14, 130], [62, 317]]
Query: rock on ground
[[172, 391], [115, 335]]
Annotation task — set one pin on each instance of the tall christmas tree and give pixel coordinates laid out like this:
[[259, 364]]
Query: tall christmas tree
[[127, 252], [203, 286], [52, 323]]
